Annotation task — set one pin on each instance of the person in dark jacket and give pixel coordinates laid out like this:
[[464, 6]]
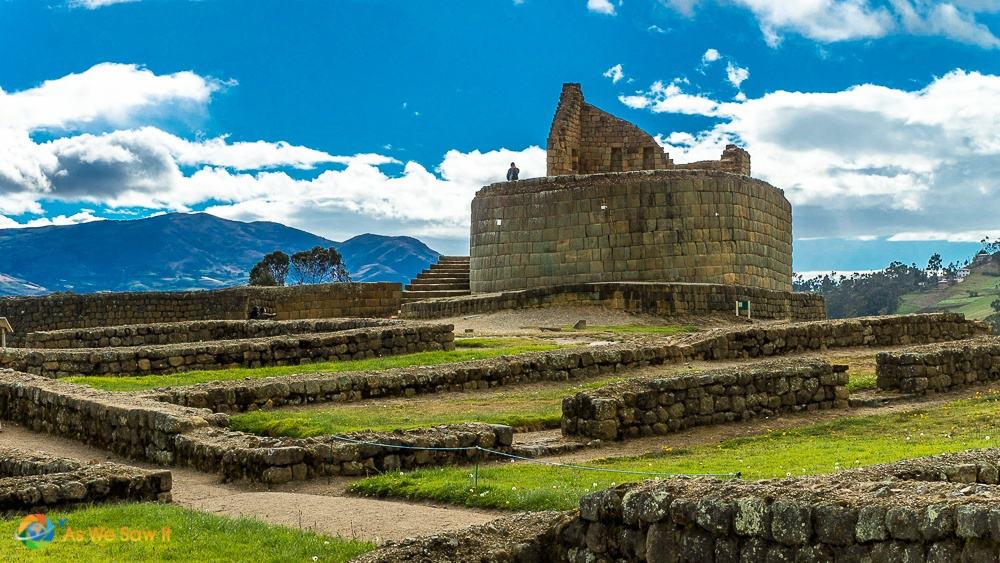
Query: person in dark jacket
[[512, 172]]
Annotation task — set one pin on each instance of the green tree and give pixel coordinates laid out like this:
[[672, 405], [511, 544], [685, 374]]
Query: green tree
[[996, 305], [319, 265], [272, 270]]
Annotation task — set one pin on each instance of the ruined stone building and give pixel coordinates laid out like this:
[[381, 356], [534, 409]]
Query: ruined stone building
[[615, 208]]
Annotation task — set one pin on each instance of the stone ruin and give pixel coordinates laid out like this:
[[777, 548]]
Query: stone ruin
[[587, 140], [615, 208]]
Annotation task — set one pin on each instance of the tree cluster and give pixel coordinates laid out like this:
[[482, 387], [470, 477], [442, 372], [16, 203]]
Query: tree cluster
[[876, 293], [316, 265]]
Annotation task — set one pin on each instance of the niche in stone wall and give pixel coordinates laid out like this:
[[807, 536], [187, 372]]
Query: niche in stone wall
[[647, 158], [616, 159]]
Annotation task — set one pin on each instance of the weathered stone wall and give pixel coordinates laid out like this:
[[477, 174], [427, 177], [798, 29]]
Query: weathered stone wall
[[35, 482], [572, 363], [292, 349], [141, 428], [236, 455], [586, 140], [925, 509], [937, 368], [663, 299], [67, 310], [191, 331], [643, 407], [665, 226]]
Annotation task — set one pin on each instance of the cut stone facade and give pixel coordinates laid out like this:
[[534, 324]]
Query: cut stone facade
[[587, 140], [698, 226]]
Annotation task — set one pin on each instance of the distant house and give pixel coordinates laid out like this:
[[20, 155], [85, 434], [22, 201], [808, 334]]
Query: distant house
[[962, 274]]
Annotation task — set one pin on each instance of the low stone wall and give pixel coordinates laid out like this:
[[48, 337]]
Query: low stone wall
[[560, 365], [784, 339], [236, 455], [141, 428], [34, 482], [663, 299], [69, 310], [191, 331], [643, 407], [937, 368], [248, 353]]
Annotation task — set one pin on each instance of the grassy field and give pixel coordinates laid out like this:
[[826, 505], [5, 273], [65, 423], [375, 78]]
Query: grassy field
[[811, 449], [635, 329], [972, 297], [465, 349], [193, 536], [525, 409]]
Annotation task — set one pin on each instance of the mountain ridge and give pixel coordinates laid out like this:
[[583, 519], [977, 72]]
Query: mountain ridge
[[180, 251]]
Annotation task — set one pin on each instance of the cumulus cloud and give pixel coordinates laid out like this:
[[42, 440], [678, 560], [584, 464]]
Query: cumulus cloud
[[95, 4], [736, 75], [601, 7], [614, 73], [710, 56], [670, 98], [830, 21], [868, 160], [88, 160]]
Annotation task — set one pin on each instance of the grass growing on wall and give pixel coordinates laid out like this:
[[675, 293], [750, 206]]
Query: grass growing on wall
[[193, 536], [465, 349], [812, 449], [537, 407], [661, 330]]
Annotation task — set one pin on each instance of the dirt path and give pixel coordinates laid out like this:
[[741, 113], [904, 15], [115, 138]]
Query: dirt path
[[318, 505]]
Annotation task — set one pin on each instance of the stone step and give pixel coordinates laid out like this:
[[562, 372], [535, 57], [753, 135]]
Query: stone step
[[447, 267], [432, 294], [453, 260], [437, 286], [444, 277]]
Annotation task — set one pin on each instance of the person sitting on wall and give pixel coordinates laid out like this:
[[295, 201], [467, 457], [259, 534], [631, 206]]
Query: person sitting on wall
[[512, 172], [254, 313]]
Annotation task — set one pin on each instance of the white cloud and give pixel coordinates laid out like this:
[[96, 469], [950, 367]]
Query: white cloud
[[830, 21], [94, 4], [736, 75], [710, 56], [601, 7], [655, 29], [614, 73], [868, 160], [959, 236], [83, 216]]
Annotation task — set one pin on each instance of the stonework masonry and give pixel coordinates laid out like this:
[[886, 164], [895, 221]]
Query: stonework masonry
[[67, 310], [663, 299], [193, 331], [33, 482], [663, 226], [939, 367], [586, 140], [292, 349], [643, 407]]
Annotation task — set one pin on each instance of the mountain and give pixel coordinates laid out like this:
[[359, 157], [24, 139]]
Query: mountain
[[180, 251]]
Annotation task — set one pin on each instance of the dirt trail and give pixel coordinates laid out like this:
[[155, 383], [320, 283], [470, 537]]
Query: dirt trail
[[318, 505]]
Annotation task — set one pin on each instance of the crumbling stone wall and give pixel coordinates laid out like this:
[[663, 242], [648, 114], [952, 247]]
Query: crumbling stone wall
[[294, 349], [643, 407], [192, 331], [938, 368], [585, 140], [573, 363], [663, 299], [36, 482], [236, 455], [68, 310], [663, 226]]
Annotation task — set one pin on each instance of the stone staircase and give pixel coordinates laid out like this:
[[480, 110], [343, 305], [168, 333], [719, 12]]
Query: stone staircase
[[449, 277]]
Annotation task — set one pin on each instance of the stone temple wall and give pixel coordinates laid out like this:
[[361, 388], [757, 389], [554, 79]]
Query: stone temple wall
[[699, 226], [69, 310]]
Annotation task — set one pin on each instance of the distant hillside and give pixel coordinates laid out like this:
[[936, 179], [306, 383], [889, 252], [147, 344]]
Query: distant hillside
[[179, 251], [972, 297]]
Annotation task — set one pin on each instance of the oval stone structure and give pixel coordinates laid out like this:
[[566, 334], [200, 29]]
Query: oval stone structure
[[698, 226]]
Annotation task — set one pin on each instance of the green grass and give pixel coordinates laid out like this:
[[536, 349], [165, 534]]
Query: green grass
[[956, 298], [194, 536], [523, 409], [861, 381], [465, 349], [636, 329], [811, 449]]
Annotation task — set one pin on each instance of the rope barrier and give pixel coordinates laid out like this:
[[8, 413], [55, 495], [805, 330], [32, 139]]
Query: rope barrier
[[498, 453]]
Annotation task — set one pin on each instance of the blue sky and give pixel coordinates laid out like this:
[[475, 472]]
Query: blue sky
[[881, 120]]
